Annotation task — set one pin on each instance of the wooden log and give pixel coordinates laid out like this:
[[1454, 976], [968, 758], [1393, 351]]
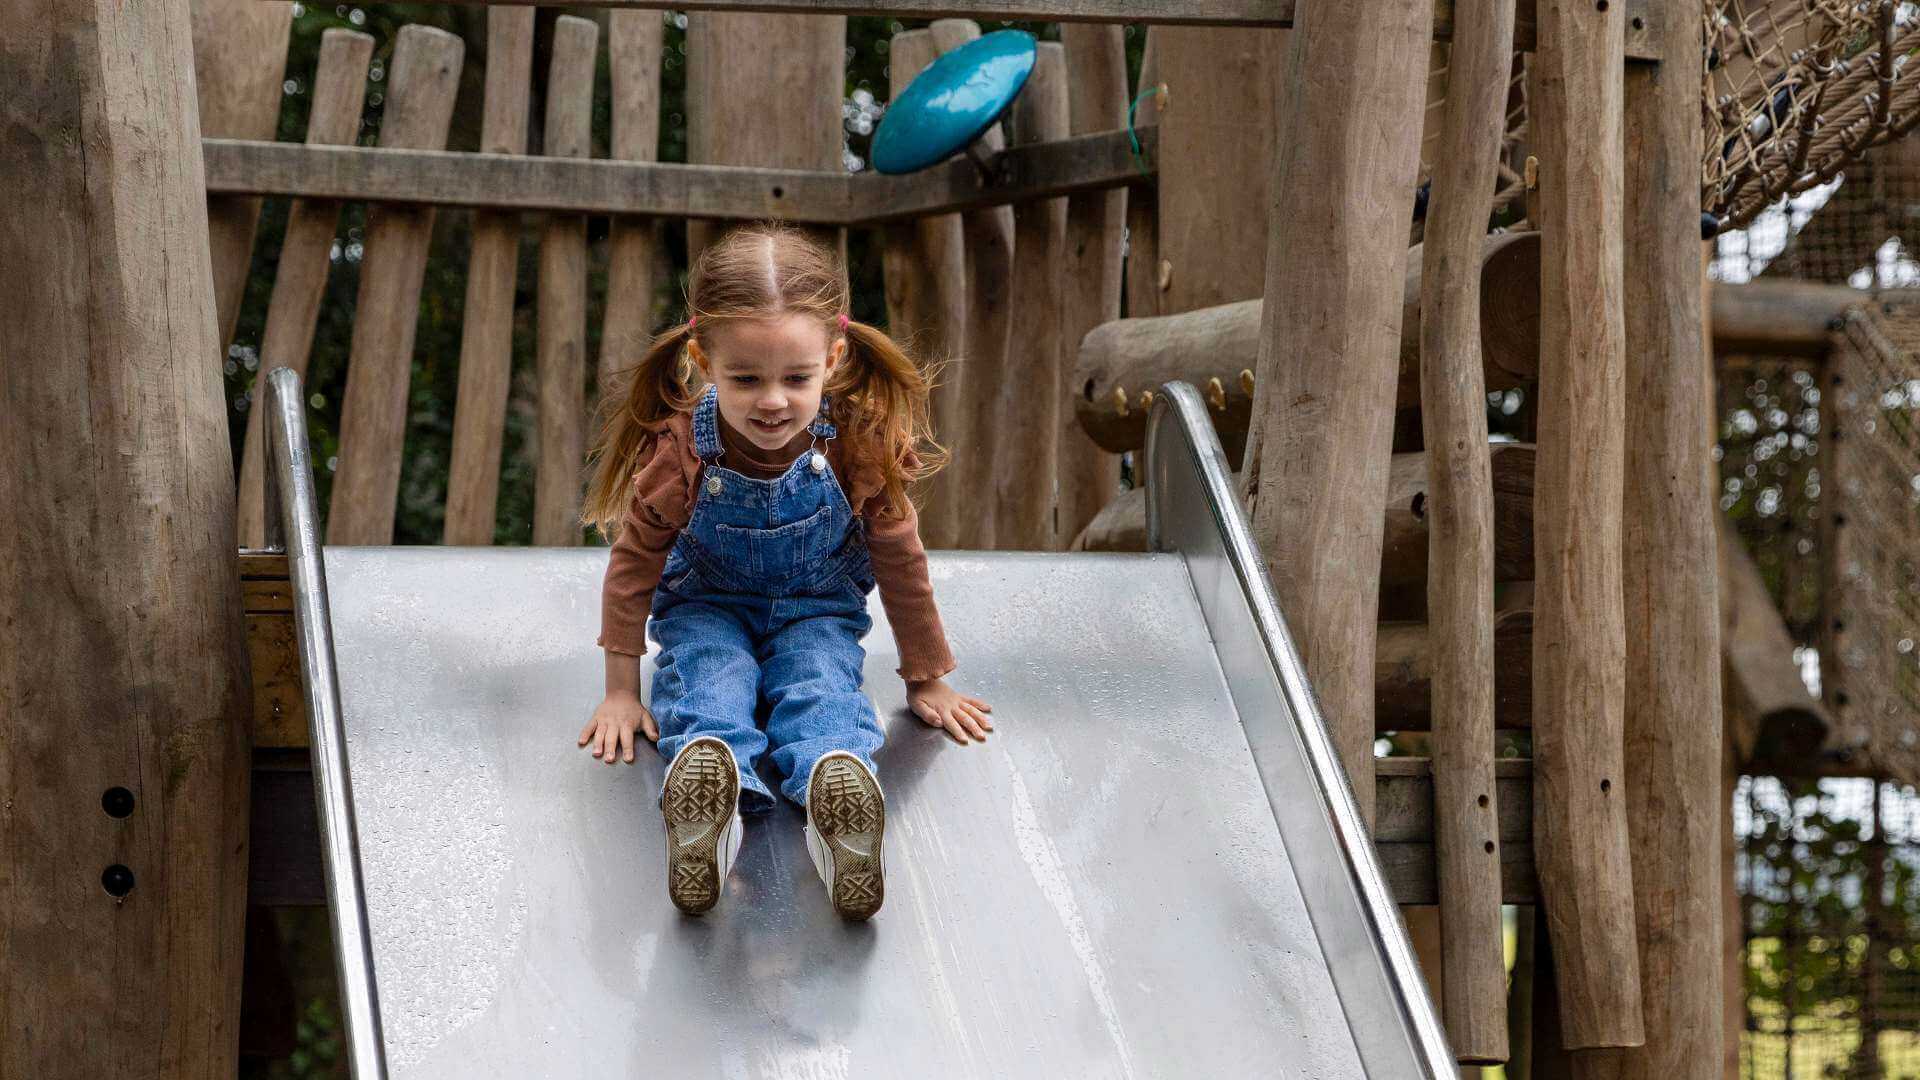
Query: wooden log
[[561, 299], [1322, 427], [988, 237], [239, 66], [1221, 343], [634, 243], [1253, 13], [1096, 226], [1143, 202], [925, 268], [123, 771], [1462, 538], [1224, 89], [1027, 399], [422, 78], [1122, 526], [300, 277], [812, 196], [1771, 715], [1580, 821], [1779, 317], [1404, 666], [765, 90], [1674, 720], [486, 329]]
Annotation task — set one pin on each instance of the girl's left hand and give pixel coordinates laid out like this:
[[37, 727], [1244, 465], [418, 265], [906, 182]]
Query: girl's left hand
[[959, 715]]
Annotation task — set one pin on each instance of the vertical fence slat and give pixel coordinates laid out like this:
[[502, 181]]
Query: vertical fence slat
[[633, 244], [422, 79], [486, 325], [562, 297], [300, 277]]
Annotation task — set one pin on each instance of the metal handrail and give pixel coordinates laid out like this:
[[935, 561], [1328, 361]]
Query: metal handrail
[[293, 526], [1179, 408]]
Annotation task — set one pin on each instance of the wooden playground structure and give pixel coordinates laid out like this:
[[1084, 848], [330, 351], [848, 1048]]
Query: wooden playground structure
[[1448, 589]]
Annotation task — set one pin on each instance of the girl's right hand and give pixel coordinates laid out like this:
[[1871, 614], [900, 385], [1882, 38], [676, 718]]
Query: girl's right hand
[[611, 730]]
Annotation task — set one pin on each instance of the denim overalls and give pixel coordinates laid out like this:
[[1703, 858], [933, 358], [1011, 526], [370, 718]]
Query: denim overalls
[[764, 598]]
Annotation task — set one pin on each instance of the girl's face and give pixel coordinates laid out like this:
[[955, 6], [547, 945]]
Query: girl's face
[[770, 373]]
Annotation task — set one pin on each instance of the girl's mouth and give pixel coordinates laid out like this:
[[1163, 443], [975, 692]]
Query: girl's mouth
[[765, 425]]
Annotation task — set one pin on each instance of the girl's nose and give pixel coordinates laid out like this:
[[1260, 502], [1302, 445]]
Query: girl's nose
[[772, 401]]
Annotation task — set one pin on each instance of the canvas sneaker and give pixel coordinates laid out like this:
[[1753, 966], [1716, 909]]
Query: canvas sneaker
[[846, 816], [700, 801]]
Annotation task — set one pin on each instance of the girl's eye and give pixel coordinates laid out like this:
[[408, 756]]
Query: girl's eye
[[743, 380], [799, 380]]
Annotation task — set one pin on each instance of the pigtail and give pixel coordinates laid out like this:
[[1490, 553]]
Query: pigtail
[[883, 399], [636, 400]]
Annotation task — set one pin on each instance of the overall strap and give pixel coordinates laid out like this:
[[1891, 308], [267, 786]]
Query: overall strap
[[706, 425]]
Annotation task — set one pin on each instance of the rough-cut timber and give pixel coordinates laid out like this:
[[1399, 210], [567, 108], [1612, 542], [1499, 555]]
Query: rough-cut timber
[[124, 663], [1027, 397], [421, 80], [1462, 538], [1096, 223], [239, 62], [1771, 716], [561, 299], [1322, 428], [988, 237], [1143, 203], [1579, 678], [925, 269], [634, 250], [486, 327], [300, 276], [1222, 343]]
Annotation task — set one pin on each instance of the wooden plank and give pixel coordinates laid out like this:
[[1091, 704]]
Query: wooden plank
[[1170, 12], [124, 664], [486, 330], [300, 276], [988, 238], [924, 263], [422, 78], [1580, 637], [809, 196], [1322, 430], [1143, 202], [1779, 317], [1027, 401], [634, 244], [1089, 477], [561, 299], [279, 699], [1771, 716], [1461, 636], [239, 66], [285, 866], [1404, 666]]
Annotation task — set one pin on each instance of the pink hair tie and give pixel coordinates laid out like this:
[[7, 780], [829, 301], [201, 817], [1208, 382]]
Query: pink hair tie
[[843, 321], [691, 319]]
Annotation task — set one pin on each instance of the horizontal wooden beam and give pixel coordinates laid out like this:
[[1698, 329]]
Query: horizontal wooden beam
[[1778, 317], [1165, 12], [667, 189], [284, 856]]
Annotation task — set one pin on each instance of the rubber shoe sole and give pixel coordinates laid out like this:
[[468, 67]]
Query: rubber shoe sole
[[702, 790], [849, 815]]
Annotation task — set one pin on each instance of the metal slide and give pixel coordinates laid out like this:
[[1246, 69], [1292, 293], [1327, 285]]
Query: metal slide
[[1153, 868]]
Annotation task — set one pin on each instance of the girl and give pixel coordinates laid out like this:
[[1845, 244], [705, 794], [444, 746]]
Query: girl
[[752, 517]]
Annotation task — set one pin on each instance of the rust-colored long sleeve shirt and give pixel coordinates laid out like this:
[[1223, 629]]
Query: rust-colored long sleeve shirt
[[664, 490]]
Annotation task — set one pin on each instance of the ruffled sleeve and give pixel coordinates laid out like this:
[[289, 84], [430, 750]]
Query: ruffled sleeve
[[663, 491]]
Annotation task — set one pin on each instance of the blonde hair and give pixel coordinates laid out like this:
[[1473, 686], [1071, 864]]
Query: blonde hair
[[879, 394]]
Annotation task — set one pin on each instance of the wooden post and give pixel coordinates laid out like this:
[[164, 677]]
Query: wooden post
[[633, 246], [1224, 89], [1580, 820], [300, 277], [1143, 288], [124, 767], [988, 236], [486, 329], [1096, 225], [1673, 705], [926, 281], [1322, 428], [240, 63], [1453, 410], [562, 297], [764, 90], [421, 79], [1027, 409]]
